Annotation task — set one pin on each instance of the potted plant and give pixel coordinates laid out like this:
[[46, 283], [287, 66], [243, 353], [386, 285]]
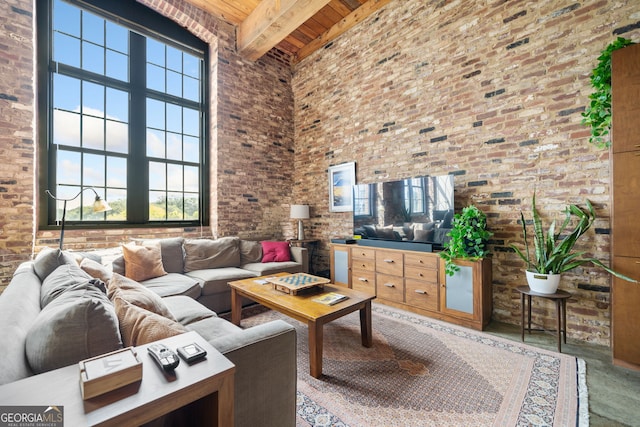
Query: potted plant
[[469, 238], [554, 251]]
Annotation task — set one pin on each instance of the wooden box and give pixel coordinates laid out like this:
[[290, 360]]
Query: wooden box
[[109, 371], [294, 283]]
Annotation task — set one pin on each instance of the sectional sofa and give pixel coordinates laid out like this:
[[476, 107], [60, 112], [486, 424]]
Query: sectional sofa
[[62, 308]]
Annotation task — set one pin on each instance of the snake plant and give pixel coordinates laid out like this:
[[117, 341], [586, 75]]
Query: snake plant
[[553, 251]]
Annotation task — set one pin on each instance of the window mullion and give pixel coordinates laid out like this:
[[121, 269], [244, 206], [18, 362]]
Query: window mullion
[[137, 165]]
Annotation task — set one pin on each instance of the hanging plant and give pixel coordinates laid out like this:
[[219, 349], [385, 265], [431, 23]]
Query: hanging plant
[[469, 238], [598, 112]]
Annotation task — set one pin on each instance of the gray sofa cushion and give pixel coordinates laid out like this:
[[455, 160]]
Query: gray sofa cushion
[[174, 284], [204, 253], [250, 347], [61, 279], [266, 268], [172, 254], [49, 259], [19, 307], [250, 251], [216, 280], [214, 327], [80, 323], [117, 265], [186, 310]]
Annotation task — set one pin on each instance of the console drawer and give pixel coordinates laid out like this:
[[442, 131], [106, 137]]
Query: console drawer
[[363, 280], [364, 264], [388, 262], [422, 294], [421, 273], [363, 253], [390, 287], [422, 259]]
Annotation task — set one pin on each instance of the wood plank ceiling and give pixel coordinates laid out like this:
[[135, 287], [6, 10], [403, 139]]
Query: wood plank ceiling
[[297, 27]]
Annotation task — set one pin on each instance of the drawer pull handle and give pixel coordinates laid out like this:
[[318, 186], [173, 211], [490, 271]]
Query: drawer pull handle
[[362, 279], [420, 291], [389, 261], [390, 285], [363, 265]]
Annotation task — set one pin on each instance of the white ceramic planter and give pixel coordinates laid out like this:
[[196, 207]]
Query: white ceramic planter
[[543, 283]]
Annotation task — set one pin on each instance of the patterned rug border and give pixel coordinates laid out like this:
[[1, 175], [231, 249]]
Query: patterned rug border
[[314, 414]]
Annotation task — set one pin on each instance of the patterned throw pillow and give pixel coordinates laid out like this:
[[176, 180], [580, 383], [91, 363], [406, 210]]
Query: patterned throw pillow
[[142, 262], [95, 269], [137, 294], [139, 326]]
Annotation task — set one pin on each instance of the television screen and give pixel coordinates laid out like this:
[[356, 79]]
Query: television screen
[[416, 210]]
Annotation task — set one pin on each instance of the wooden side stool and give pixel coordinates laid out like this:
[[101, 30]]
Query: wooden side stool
[[559, 297]]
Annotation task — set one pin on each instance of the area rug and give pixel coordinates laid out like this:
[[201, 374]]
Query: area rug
[[423, 372]]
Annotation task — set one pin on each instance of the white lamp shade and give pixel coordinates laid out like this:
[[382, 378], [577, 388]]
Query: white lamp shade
[[299, 211]]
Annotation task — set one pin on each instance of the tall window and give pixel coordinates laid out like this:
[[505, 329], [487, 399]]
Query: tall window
[[125, 113]]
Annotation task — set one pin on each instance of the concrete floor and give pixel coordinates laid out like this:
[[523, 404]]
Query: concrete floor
[[614, 392]]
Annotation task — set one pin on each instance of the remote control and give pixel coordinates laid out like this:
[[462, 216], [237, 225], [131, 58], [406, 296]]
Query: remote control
[[164, 357]]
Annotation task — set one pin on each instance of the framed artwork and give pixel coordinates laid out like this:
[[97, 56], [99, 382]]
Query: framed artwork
[[342, 178]]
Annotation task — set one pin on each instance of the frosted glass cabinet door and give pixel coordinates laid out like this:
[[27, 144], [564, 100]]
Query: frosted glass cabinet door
[[340, 265], [459, 291]]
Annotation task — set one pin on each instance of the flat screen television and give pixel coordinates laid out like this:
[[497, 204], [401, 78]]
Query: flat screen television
[[412, 213]]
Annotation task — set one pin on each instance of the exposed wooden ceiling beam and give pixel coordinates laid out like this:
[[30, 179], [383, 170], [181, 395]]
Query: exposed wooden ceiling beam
[[341, 27], [271, 22], [233, 11]]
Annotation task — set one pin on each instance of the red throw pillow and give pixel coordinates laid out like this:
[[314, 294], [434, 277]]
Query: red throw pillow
[[275, 251]]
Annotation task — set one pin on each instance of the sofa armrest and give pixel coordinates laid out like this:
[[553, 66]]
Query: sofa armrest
[[301, 256], [266, 373]]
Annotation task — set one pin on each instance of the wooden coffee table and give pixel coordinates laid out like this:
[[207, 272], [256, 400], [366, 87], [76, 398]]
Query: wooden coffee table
[[303, 309]]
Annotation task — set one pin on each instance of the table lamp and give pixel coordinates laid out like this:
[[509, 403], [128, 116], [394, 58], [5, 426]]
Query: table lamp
[[300, 212], [99, 205]]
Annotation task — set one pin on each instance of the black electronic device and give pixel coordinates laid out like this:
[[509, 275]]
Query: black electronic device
[[343, 240], [191, 353], [164, 356]]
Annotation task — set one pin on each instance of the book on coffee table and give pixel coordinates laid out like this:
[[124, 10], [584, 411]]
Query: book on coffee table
[[330, 298]]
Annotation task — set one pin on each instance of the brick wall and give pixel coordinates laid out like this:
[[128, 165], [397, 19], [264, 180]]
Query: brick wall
[[17, 149], [490, 91], [251, 141]]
